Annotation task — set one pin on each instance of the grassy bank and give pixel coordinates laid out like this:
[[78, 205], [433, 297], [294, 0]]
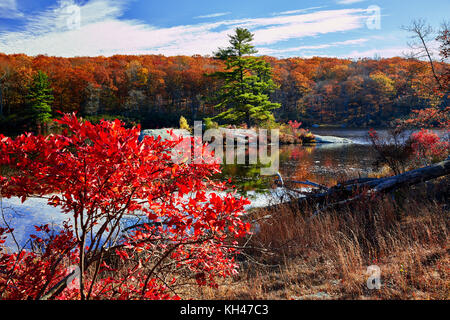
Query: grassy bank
[[297, 256]]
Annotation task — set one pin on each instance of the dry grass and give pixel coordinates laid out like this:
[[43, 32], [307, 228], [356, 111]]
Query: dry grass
[[297, 256]]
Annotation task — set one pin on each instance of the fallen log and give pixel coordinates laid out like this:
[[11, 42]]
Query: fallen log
[[353, 190], [405, 179], [345, 192]]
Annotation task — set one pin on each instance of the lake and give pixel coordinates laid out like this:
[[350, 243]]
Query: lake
[[321, 163], [325, 164]]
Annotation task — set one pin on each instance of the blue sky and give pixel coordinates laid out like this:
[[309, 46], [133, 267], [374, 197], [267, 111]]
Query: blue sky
[[282, 28]]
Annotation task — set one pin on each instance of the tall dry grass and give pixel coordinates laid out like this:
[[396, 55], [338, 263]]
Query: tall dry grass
[[296, 255]]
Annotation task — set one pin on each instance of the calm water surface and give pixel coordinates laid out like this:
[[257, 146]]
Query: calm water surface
[[323, 163]]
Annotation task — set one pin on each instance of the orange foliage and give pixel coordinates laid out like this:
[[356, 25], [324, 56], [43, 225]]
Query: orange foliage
[[157, 90]]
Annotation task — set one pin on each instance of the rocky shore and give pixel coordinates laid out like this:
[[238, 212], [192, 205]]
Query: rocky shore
[[241, 137]]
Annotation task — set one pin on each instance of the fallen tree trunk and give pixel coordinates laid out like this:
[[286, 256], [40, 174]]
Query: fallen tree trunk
[[404, 179], [353, 190], [346, 192]]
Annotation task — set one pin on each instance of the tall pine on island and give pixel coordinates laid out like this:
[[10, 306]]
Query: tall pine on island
[[244, 96]]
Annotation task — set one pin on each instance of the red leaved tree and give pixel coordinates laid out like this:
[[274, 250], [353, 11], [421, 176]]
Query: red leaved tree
[[140, 225], [429, 147]]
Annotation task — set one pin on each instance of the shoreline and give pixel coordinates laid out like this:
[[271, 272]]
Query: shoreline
[[318, 139]]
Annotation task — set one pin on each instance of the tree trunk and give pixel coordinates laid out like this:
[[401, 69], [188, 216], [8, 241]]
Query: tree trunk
[[354, 189]]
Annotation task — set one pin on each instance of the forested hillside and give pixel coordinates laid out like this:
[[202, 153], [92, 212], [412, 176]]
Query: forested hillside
[[156, 90]]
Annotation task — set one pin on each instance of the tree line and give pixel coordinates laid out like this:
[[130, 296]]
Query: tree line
[[155, 90]]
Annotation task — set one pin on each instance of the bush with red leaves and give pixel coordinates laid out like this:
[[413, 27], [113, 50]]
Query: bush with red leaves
[[181, 227]]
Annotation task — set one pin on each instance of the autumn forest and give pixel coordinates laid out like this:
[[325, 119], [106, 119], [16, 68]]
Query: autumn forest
[[155, 90], [110, 188]]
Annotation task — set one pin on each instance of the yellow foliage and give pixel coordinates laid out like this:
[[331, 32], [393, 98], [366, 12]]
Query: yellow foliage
[[184, 124]]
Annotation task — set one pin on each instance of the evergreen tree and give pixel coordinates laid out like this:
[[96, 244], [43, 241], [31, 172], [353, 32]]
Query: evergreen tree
[[247, 83], [39, 100]]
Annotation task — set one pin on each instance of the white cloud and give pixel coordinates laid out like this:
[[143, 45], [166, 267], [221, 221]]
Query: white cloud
[[213, 15], [8, 9], [103, 31], [295, 11], [383, 53], [8, 5], [352, 42], [349, 1], [311, 24]]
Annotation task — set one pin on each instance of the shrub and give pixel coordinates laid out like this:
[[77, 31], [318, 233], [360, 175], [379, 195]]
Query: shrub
[[99, 174], [184, 124], [400, 152], [395, 150], [209, 124], [299, 135], [428, 147]]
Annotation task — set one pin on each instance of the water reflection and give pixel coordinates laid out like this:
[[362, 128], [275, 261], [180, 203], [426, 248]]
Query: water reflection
[[325, 164], [247, 177]]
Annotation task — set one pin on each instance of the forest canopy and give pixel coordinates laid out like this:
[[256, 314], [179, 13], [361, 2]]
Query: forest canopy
[[155, 90]]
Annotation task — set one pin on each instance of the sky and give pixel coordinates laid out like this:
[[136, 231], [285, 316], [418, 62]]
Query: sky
[[282, 28]]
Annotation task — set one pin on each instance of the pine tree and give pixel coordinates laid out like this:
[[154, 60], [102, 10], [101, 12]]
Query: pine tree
[[39, 100], [247, 83]]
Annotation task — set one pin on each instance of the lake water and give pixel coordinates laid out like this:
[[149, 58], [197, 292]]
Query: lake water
[[322, 163]]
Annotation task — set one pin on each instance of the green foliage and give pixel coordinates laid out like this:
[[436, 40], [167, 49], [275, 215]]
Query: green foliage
[[247, 83], [209, 124], [39, 100]]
